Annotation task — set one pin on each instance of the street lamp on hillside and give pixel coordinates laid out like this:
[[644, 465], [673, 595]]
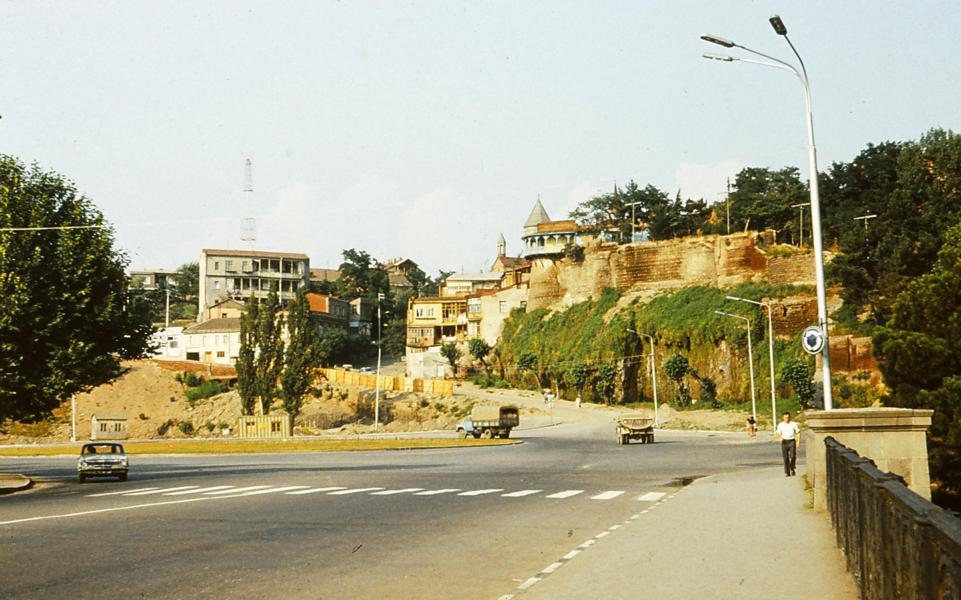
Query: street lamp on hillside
[[802, 76], [750, 359], [770, 350], [650, 338]]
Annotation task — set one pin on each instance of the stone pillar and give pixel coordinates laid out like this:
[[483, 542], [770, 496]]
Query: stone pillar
[[894, 438]]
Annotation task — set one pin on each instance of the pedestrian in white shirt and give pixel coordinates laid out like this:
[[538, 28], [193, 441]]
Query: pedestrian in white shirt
[[790, 435]]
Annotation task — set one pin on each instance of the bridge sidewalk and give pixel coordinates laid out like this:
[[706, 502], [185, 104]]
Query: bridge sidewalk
[[740, 535]]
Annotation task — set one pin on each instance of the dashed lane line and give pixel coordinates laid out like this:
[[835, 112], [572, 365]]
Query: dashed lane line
[[200, 490], [354, 491], [480, 492], [162, 491], [607, 495], [123, 492], [436, 492], [521, 493], [275, 490], [237, 490], [393, 492], [651, 496], [566, 494], [317, 490]]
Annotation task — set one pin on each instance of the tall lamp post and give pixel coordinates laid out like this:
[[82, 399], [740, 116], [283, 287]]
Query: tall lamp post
[[802, 76], [770, 349], [650, 339], [380, 329], [750, 359]]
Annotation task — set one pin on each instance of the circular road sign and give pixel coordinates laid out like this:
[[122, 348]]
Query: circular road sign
[[812, 340]]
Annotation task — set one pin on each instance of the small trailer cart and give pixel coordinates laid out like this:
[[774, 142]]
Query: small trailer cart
[[634, 427]]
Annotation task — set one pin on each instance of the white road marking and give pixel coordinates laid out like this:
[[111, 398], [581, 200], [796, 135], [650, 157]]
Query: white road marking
[[480, 492], [521, 493], [651, 496], [552, 567], [435, 492], [102, 510], [602, 534], [164, 490], [237, 490], [354, 491], [607, 495], [123, 492], [571, 554], [199, 490], [529, 582], [392, 492], [614, 527], [274, 490], [316, 490], [587, 544], [566, 494]]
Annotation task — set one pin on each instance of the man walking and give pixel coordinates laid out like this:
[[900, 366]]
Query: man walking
[[790, 435]]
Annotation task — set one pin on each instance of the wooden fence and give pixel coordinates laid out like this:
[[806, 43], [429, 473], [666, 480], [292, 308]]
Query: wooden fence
[[388, 383]]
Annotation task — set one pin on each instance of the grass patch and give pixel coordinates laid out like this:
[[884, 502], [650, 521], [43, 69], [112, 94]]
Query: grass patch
[[255, 446]]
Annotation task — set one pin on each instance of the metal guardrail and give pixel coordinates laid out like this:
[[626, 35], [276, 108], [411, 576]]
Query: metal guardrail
[[898, 545]]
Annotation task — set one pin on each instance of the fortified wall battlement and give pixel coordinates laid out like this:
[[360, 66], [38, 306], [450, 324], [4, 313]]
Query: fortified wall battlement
[[718, 260]]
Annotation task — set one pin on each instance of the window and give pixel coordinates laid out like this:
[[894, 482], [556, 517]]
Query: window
[[524, 304], [193, 356], [223, 315], [220, 354], [103, 427], [424, 312], [503, 306], [275, 427], [229, 266], [217, 284], [172, 344], [216, 265]]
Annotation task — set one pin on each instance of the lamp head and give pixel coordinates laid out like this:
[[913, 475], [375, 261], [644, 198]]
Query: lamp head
[[778, 25], [721, 57], [732, 298], [707, 37]]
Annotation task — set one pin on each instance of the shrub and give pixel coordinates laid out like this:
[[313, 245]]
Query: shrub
[[186, 427], [205, 389], [209, 425]]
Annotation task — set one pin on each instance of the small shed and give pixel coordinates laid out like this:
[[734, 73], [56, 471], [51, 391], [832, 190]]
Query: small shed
[[264, 426], [108, 427]]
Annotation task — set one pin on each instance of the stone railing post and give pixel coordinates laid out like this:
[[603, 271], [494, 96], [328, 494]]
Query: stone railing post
[[894, 438]]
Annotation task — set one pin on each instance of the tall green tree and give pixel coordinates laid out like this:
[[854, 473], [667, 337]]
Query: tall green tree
[[762, 199], [919, 350], [300, 355], [66, 318], [246, 364], [452, 353], [270, 350]]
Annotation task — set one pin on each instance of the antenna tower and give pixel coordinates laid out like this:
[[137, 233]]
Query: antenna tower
[[248, 225]]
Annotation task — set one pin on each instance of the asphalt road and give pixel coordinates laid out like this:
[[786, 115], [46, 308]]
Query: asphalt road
[[413, 524]]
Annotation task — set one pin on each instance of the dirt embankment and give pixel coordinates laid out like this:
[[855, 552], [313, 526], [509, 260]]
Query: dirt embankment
[[155, 404]]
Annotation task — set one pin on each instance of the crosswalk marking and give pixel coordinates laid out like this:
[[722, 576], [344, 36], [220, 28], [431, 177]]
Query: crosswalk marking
[[651, 496], [521, 493], [354, 491], [436, 492], [566, 494], [236, 490], [275, 490], [392, 492], [199, 490], [316, 490], [607, 495], [123, 492], [161, 491], [480, 492]]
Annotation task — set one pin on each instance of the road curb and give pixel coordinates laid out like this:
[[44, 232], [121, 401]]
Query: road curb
[[14, 482]]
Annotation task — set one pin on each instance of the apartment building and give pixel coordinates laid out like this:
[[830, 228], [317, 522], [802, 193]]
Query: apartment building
[[245, 273]]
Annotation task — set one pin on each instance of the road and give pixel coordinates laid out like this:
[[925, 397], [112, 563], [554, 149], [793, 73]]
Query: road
[[414, 524]]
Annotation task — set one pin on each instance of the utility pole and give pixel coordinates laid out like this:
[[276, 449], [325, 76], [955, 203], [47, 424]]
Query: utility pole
[[865, 219], [727, 204], [380, 328], [248, 225], [167, 307], [800, 218]]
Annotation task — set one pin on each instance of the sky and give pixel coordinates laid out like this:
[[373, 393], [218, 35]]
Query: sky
[[426, 129]]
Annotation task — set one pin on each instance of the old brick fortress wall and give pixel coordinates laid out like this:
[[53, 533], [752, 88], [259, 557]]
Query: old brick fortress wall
[[718, 260]]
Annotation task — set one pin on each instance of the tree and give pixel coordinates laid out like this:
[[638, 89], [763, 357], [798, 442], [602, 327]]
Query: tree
[[762, 199], [300, 356], [676, 367], [918, 349], [577, 376], [652, 209], [479, 349], [269, 361], [361, 277], [799, 373], [246, 356], [604, 381], [452, 353], [332, 346], [66, 318]]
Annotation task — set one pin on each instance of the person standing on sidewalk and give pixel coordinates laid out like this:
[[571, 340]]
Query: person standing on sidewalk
[[790, 435]]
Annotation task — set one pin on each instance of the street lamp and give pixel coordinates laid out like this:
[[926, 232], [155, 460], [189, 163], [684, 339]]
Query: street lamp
[[770, 348], [380, 329], [750, 359], [650, 338], [802, 76], [633, 220]]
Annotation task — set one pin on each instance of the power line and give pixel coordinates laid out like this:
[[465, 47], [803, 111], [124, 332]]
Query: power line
[[53, 228]]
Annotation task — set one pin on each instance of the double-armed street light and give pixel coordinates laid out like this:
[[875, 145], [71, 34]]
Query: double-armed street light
[[750, 359], [380, 296], [650, 338], [802, 76], [770, 348]]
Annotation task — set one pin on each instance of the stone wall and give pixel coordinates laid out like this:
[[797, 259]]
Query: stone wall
[[697, 260]]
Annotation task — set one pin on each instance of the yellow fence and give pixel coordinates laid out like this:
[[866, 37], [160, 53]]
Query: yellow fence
[[265, 426], [439, 387]]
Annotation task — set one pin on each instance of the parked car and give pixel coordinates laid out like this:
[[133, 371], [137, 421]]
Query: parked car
[[102, 459], [366, 370]]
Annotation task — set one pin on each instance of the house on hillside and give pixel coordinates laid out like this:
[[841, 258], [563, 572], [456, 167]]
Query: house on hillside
[[542, 236], [397, 271], [228, 308], [246, 273], [155, 279], [462, 284], [215, 341], [328, 312], [361, 320]]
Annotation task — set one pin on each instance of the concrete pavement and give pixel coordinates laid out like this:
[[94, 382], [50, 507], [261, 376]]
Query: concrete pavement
[[747, 534]]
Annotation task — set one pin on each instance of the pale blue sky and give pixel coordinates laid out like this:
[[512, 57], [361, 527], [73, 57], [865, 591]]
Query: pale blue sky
[[424, 129]]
